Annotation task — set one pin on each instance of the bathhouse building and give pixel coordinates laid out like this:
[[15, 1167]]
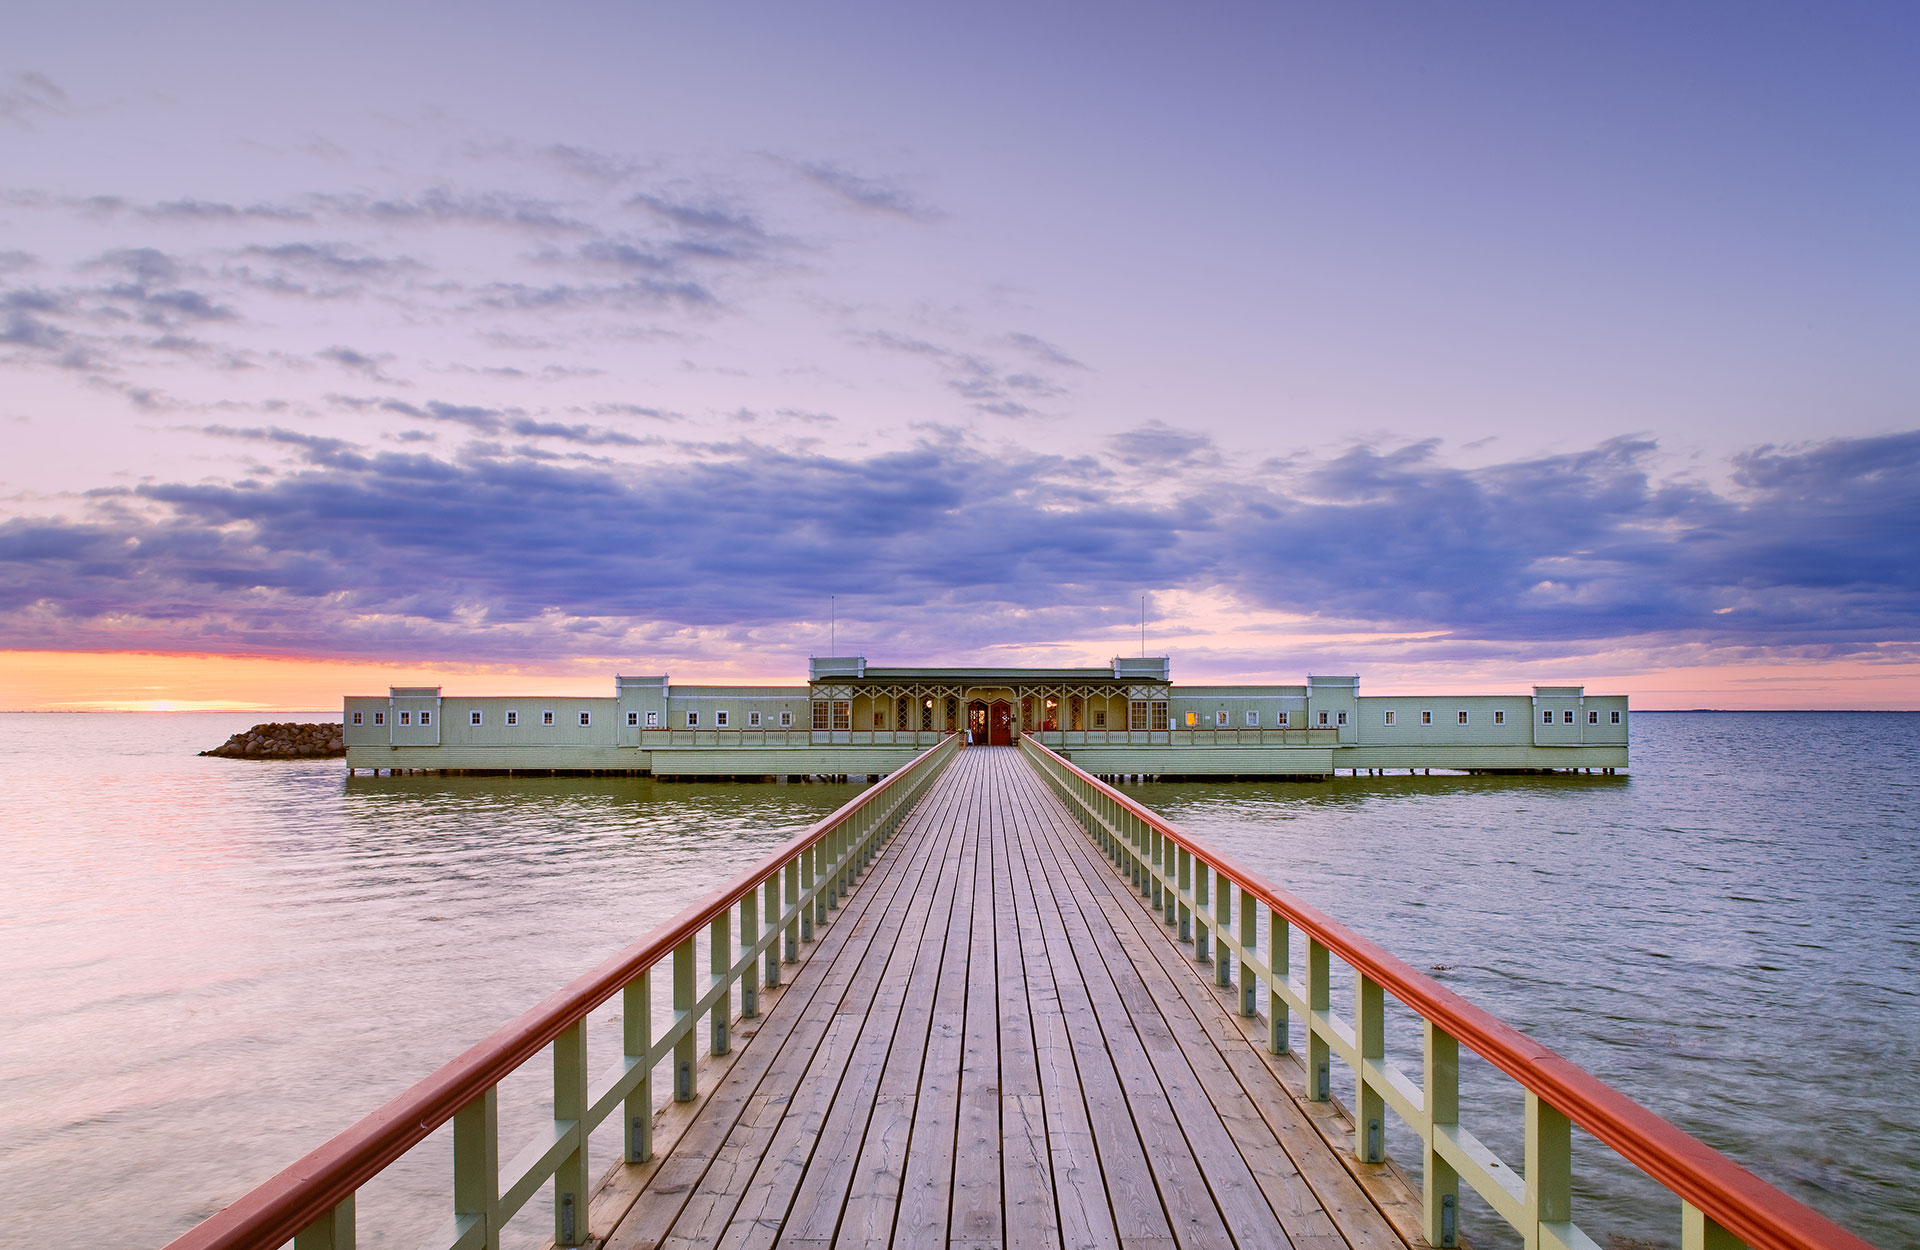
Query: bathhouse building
[[1126, 719]]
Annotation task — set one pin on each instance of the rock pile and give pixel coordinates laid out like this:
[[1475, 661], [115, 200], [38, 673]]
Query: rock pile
[[283, 741]]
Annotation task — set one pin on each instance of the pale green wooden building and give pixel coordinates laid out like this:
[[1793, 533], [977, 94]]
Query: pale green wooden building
[[1124, 719]]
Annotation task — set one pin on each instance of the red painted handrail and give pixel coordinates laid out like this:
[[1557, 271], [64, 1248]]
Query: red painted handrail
[[1734, 1198], [270, 1214]]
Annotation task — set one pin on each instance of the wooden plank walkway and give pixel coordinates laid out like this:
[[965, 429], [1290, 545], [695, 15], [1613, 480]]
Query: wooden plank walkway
[[994, 1044]]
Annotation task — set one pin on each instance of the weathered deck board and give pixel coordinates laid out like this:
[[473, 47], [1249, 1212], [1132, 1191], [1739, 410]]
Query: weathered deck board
[[994, 1044]]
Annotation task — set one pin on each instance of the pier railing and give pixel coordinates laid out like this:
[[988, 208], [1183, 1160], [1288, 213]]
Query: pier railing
[[765, 915], [1217, 906]]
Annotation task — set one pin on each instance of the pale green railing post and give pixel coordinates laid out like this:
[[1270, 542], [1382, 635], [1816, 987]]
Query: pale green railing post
[[1549, 1175], [1186, 885], [1697, 1232], [792, 899], [570, 1109], [1169, 903], [719, 971], [750, 974], [684, 998], [1159, 869], [1370, 1035], [636, 1027], [1222, 928], [812, 910], [773, 908], [1202, 911], [1280, 961], [476, 1166], [1319, 1003], [1440, 1107], [332, 1231], [1249, 939]]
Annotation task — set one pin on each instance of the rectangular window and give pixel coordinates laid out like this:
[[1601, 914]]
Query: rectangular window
[[379, 718], [1499, 718], [1463, 718], [473, 718], [1253, 720], [753, 720], [633, 720], [820, 713], [1323, 718], [1426, 718], [1137, 715], [1283, 719], [546, 718], [843, 714], [1593, 718], [1193, 718], [359, 718], [513, 718], [1220, 718], [786, 720], [1546, 717], [426, 718], [1341, 718], [653, 720], [1615, 716], [693, 720], [406, 718], [1569, 716], [1159, 710], [720, 719], [586, 718], [1390, 716], [879, 720], [1099, 718]]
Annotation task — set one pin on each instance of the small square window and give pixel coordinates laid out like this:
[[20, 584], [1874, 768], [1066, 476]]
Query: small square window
[[426, 718], [1463, 717], [1569, 716], [1593, 718], [546, 718], [1426, 718], [1546, 717], [753, 720], [1099, 718], [1499, 718], [720, 719], [1390, 716], [1323, 718], [586, 718], [1282, 719], [513, 718], [786, 720], [379, 718], [693, 720], [633, 719], [1220, 719], [1615, 717], [473, 718], [653, 720], [406, 718], [1253, 720], [359, 718]]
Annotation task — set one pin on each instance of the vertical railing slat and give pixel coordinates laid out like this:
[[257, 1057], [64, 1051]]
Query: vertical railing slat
[[636, 1028], [1319, 1002], [1370, 1035], [332, 1231], [1440, 1110], [684, 997], [570, 1107], [1549, 1170]]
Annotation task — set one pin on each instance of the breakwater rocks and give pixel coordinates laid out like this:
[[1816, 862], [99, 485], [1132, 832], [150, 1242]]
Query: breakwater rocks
[[283, 741]]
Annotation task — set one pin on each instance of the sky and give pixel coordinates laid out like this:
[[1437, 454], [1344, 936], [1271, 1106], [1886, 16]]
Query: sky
[[510, 347]]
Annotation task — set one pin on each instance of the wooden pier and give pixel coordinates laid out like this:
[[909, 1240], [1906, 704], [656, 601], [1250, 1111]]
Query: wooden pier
[[992, 1001], [995, 1044]]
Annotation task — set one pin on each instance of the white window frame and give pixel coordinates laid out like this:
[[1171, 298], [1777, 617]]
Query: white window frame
[[653, 720], [586, 718], [359, 718], [1323, 720], [426, 718], [474, 718], [753, 720], [406, 718], [1567, 717], [379, 718], [633, 720], [1253, 718], [1099, 718], [1546, 717], [1426, 718], [1220, 719], [720, 719], [546, 718], [1340, 718], [1593, 717], [1500, 718], [1283, 719], [1390, 715], [693, 720], [1460, 717], [1615, 717], [786, 720], [513, 716]]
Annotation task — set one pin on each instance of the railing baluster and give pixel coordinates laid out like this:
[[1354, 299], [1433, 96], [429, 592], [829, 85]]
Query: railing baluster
[[719, 973], [1249, 940], [1549, 1174], [683, 1000], [1186, 885], [792, 875], [1319, 1003], [1222, 927], [1697, 1232], [332, 1231], [1440, 1103], [1279, 962], [750, 974], [476, 1165], [570, 1107], [772, 892], [1202, 909], [636, 1027], [812, 909], [1370, 1034]]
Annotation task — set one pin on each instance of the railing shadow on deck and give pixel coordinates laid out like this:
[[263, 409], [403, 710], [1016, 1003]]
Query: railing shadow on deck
[[1196, 891], [776, 906]]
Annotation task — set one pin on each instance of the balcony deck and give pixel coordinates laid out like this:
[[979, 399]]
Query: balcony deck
[[995, 1044]]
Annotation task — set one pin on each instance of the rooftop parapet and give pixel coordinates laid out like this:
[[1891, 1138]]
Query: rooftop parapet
[[822, 667], [1141, 668]]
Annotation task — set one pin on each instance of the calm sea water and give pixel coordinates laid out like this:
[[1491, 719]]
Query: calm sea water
[[208, 966]]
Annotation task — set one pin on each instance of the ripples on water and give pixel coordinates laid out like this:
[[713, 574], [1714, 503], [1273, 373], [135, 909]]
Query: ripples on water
[[210, 966]]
